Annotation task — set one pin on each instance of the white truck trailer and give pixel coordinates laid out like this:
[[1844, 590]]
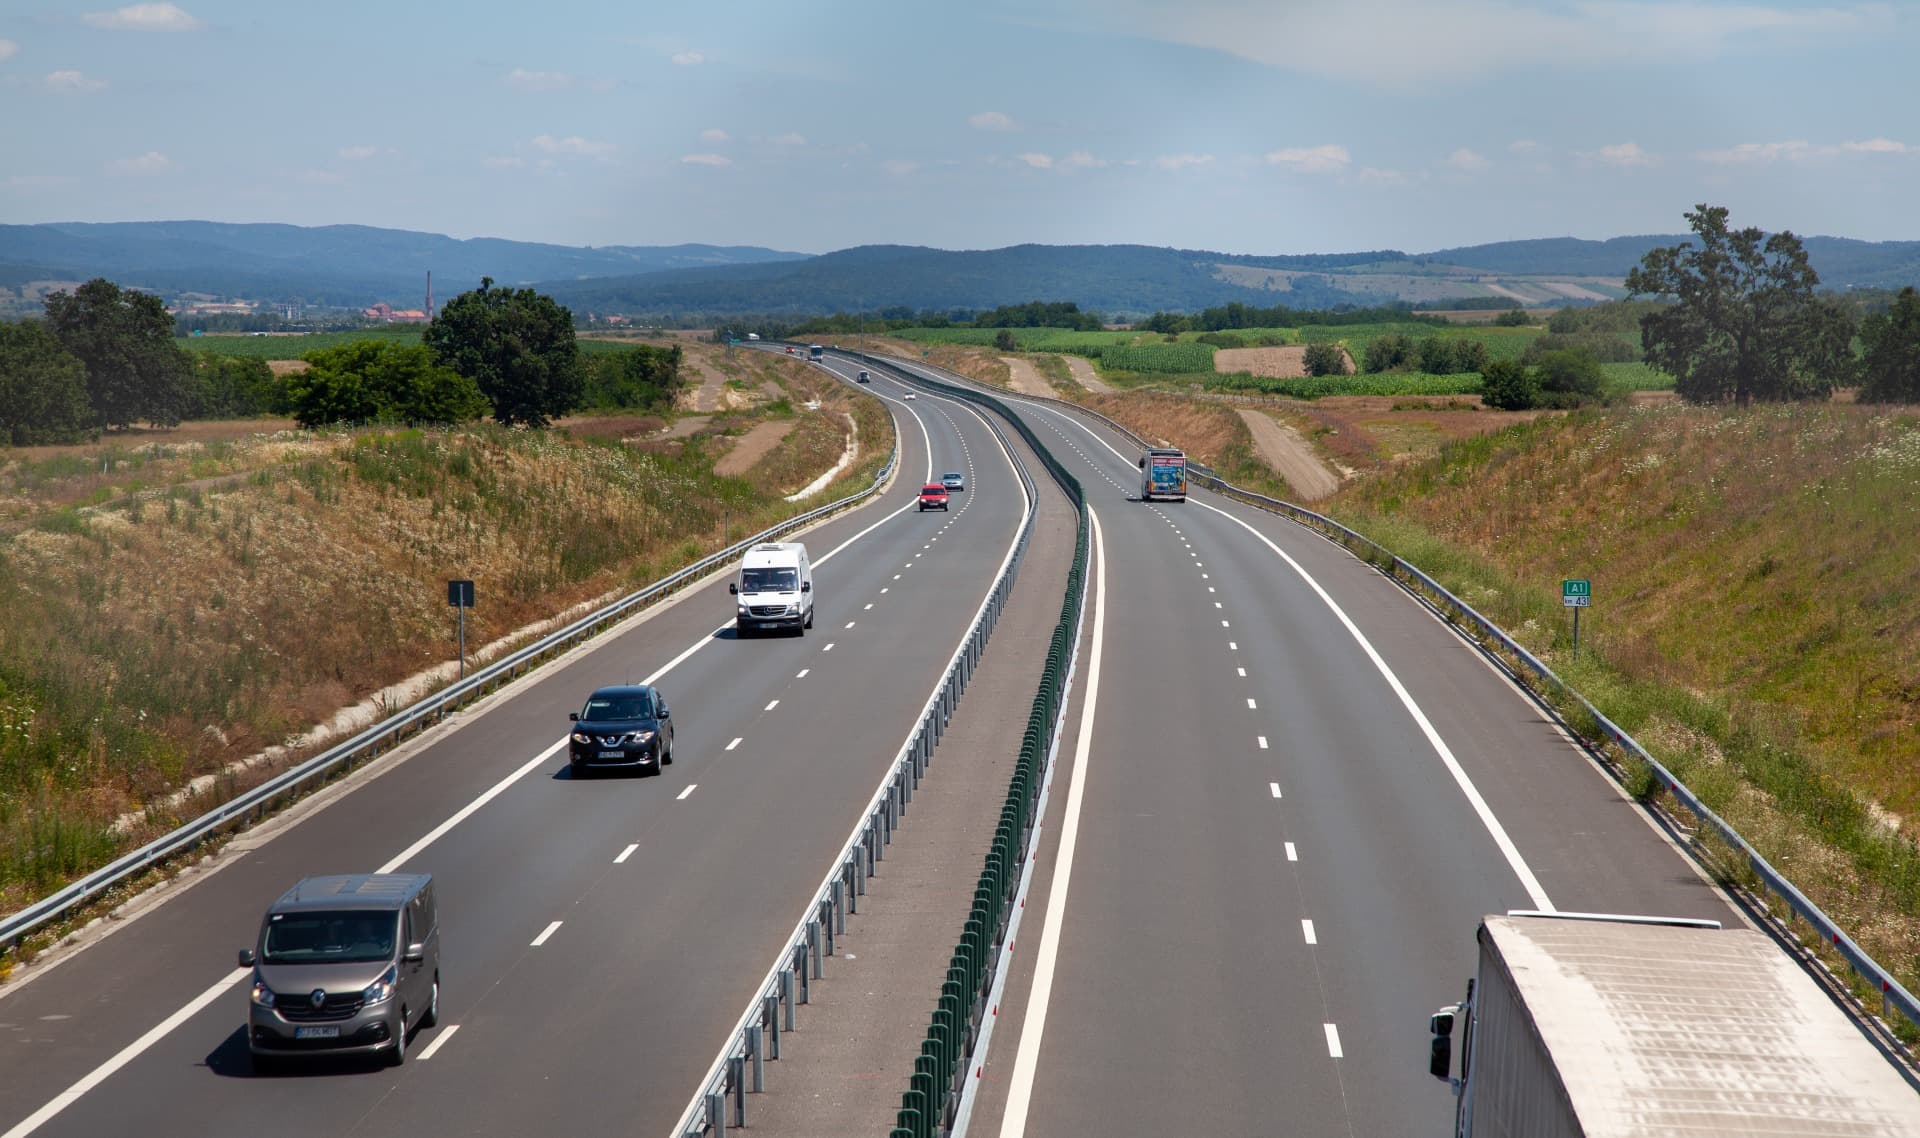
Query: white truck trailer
[[1593, 1026]]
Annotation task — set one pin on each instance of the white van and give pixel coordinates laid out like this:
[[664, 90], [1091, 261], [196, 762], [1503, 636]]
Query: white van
[[775, 589]]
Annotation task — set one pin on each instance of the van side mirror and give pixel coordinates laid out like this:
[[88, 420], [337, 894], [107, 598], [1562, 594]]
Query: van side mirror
[[246, 958], [1440, 1057], [806, 586], [416, 953], [733, 587]]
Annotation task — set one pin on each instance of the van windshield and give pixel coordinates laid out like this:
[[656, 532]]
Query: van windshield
[[330, 938], [772, 579]]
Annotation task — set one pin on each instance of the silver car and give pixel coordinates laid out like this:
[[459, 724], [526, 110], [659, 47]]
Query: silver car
[[344, 965]]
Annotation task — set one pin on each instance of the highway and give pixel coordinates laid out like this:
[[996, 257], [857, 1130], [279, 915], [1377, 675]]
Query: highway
[[1294, 795], [600, 937]]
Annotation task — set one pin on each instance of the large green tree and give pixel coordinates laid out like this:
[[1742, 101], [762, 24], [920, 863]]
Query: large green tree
[[370, 381], [135, 371], [43, 389], [517, 345], [1744, 323], [1890, 373]]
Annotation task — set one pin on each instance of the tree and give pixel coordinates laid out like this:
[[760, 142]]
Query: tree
[[1576, 376], [638, 377], [370, 381], [134, 369], [1004, 340], [43, 389], [1434, 355], [1513, 318], [1890, 372], [1509, 386], [1745, 323], [1385, 353], [517, 345], [1325, 359], [1469, 355], [231, 387]]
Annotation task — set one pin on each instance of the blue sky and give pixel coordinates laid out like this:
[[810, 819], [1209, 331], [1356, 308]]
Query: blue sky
[[1261, 127]]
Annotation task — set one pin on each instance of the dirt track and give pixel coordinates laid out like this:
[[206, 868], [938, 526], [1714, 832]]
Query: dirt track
[[1085, 376], [752, 447], [1025, 378], [1289, 454]]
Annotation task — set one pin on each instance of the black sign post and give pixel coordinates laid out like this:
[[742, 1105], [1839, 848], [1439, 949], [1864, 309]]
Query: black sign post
[[460, 596]]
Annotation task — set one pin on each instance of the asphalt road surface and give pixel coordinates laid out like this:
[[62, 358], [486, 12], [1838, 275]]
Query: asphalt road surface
[[600, 937]]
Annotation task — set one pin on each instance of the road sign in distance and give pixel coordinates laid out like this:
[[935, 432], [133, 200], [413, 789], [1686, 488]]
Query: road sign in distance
[[460, 594]]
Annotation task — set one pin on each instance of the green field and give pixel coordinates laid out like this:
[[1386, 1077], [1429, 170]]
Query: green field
[[1620, 378], [296, 347]]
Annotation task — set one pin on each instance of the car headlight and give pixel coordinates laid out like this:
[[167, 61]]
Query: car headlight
[[262, 996], [381, 990], [582, 737], [639, 737]]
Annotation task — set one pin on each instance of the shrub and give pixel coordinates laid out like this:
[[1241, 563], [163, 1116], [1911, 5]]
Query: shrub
[[1004, 341], [1326, 359], [1388, 352], [1434, 356], [1573, 373], [1509, 386], [1222, 339], [1513, 318]]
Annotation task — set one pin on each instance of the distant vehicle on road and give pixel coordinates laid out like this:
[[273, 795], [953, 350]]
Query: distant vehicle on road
[[863, 376], [753, 336], [627, 727], [344, 965], [816, 352], [789, 350], [954, 481], [933, 496], [911, 395], [1163, 475]]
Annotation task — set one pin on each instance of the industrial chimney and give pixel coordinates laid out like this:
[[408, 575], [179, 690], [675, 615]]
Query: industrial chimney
[[429, 294]]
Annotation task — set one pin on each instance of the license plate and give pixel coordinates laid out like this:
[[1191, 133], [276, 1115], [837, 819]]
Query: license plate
[[330, 1032], [613, 754]]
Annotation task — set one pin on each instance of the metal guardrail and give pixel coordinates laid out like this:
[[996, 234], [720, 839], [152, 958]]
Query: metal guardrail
[[392, 730], [1894, 997], [721, 1100]]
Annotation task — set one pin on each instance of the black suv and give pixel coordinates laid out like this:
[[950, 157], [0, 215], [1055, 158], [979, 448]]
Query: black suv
[[626, 728]]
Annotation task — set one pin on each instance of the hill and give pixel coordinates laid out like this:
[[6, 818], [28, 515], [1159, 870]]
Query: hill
[[348, 265]]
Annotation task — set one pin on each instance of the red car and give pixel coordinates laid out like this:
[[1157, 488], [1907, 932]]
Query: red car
[[933, 496]]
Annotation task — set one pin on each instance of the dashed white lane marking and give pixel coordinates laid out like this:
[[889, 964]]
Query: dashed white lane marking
[[1206, 577], [439, 1041], [1263, 741], [1333, 1040], [1242, 671], [545, 933], [849, 624], [802, 673], [625, 854], [1306, 930], [773, 704], [883, 590], [1251, 706], [1292, 854], [1275, 788], [1210, 588], [869, 605], [732, 745], [1218, 605], [896, 577], [682, 796], [1232, 647], [1224, 624], [828, 648]]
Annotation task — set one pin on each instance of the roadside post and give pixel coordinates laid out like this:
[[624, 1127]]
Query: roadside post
[[1576, 594], [460, 596]]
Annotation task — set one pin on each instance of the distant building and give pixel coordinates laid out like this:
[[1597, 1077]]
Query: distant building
[[388, 314]]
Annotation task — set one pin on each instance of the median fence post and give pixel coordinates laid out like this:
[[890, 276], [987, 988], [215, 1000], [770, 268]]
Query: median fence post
[[737, 1083], [770, 1015], [753, 1049], [717, 1115], [786, 1000]]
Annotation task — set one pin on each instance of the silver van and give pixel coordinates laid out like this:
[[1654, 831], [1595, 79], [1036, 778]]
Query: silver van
[[344, 965]]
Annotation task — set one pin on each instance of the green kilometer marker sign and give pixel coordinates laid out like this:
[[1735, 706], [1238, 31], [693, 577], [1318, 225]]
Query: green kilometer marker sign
[[1576, 594]]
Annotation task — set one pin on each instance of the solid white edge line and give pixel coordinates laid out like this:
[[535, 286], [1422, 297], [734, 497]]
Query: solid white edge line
[[160, 1030], [439, 1040], [1333, 1041], [1508, 850], [545, 933], [625, 854], [682, 796], [1033, 1026]]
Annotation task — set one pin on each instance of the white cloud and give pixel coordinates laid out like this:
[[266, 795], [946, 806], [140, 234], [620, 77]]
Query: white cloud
[[358, 153], [991, 120], [1081, 160], [145, 166], [525, 80], [715, 134], [1524, 146], [1752, 153], [573, 144], [7, 48], [503, 162], [143, 18], [689, 58], [1037, 161], [790, 139], [899, 167], [716, 160], [1466, 161], [1625, 155], [74, 83], [1878, 146], [1177, 161], [322, 177], [1423, 42], [1327, 159]]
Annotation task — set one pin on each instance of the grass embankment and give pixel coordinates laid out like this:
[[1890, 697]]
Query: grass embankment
[[167, 610], [1756, 619]]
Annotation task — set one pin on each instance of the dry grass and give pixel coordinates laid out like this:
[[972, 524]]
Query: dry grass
[[1210, 432], [167, 611]]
